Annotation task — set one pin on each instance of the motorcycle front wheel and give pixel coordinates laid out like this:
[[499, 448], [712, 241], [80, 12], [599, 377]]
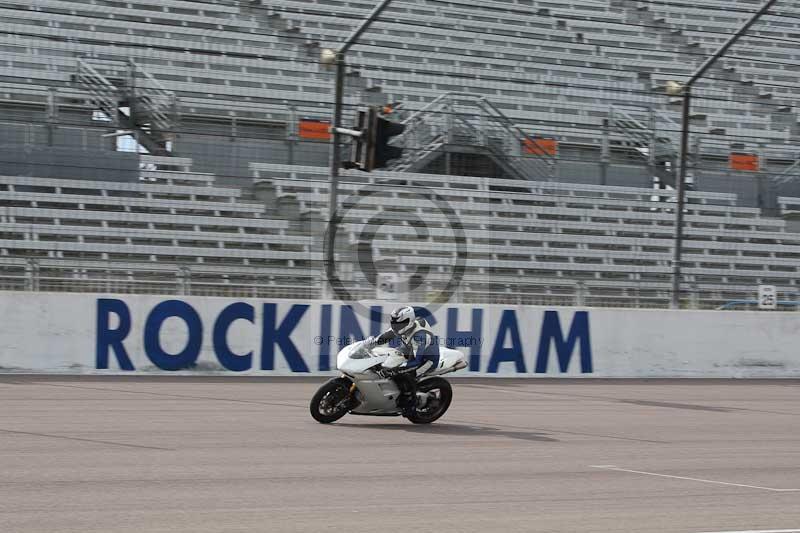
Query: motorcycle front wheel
[[440, 394], [332, 401]]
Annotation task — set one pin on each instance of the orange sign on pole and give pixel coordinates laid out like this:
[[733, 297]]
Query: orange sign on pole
[[747, 162], [540, 146], [314, 129]]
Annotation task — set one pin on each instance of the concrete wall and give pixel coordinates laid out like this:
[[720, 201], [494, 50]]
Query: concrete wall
[[79, 333], [616, 175], [63, 162], [228, 156], [753, 189]]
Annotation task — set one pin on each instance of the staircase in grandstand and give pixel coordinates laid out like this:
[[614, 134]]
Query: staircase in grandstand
[[466, 123], [651, 133], [646, 129], [789, 174], [132, 99]]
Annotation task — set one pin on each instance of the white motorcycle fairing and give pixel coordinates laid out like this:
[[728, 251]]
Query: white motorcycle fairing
[[378, 395]]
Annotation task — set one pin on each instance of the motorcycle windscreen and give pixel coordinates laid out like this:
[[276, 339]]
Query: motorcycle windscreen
[[356, 359]]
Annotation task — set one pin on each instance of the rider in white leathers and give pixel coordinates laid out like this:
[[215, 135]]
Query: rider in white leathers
[[417, 343]]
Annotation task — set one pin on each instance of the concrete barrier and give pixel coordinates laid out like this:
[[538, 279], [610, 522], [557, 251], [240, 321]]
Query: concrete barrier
[[83, 333]]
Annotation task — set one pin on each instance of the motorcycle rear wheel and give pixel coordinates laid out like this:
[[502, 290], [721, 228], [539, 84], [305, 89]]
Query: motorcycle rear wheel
[[332, 401], [437, 405]]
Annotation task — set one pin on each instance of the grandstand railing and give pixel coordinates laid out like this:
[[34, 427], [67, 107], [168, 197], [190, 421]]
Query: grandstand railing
[[104, 93], [128, 94], [467, 120], [789, 174], [650, 129], [117, 281]]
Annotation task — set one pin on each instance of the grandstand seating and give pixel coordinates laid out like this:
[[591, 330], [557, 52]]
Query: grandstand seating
[[555, 68], [552, 66], [590, 45], [94, 235], [233, 56], [541, 239], [541, 242]]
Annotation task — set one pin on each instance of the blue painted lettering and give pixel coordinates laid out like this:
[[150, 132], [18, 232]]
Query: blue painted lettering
[[281, 336], [551, 333], [226, 357], [500, 354], [152, 341], [111, 339]]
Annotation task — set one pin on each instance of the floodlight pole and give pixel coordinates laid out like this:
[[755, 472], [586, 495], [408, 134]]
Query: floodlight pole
[[336, 155], [685, 118]]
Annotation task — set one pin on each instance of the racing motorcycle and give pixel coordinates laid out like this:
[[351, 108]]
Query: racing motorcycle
[[364, 387]]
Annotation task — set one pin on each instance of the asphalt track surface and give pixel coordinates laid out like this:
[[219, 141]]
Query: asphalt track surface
[[100, 455]]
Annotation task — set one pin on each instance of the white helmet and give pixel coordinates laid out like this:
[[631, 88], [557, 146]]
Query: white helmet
[[402, 320]]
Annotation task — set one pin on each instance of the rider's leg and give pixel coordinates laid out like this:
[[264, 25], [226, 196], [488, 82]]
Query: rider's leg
[[417, 373], [407, 383]]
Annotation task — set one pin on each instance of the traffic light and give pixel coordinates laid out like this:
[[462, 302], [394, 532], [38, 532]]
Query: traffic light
[[371, 148], [357, 148], [379, 152]]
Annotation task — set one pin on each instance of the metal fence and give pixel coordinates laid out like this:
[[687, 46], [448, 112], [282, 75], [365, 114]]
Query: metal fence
[[121, 279]]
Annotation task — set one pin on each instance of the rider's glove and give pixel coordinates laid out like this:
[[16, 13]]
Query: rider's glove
[[370, 342]]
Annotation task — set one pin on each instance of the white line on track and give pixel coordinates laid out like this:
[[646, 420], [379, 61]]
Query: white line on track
[[771, 489], [759, 531]]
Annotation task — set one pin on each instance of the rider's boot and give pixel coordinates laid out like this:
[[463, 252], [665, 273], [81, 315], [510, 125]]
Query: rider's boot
[[409, 403], [408, 396]]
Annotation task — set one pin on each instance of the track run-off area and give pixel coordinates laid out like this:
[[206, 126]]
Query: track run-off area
[[242, 454]]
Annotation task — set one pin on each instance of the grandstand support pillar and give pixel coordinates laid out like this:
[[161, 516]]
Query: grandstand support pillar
[[52, 115], [605, 153], [767, 191], [32, 275], [132, 91], [184, 278], [651, 156], [291, 135], [336, 154], [686, 92], [580, 294], [448, 139], [696, 160], [694, 296]]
